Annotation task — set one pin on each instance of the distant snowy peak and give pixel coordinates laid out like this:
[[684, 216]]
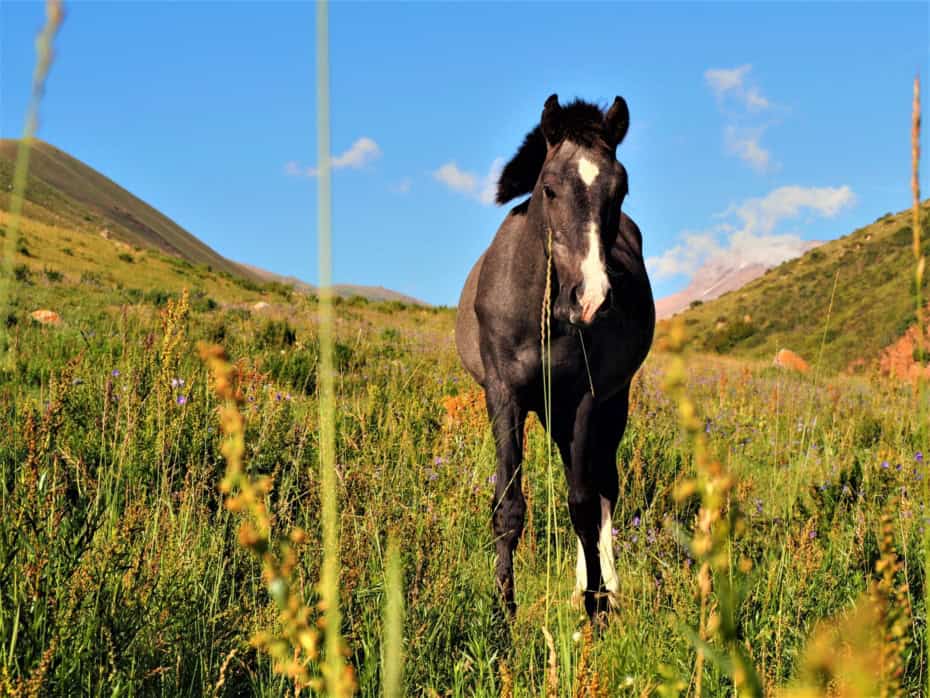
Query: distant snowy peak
[[717, 276]]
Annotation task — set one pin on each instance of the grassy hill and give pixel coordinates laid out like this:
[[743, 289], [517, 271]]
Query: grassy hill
[[789, 306], [64, 191]]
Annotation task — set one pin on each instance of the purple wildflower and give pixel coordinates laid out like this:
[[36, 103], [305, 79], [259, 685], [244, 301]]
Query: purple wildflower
[[812, 535], [439, 460], [614, 532], [635, 522], [919, 456], [884, 465], [115, 373], [182, 399]]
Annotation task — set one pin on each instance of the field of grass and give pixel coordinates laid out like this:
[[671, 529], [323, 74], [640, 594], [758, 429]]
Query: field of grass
[[121, 571]]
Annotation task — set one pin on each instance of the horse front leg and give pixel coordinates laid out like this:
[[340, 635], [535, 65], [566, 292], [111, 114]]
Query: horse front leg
[[585, 509], [509, 506]]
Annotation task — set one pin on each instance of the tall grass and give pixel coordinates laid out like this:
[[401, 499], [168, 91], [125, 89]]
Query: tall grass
[[126, 570]]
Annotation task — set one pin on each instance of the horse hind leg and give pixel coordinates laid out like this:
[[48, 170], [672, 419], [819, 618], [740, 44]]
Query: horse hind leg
[[509, 505]]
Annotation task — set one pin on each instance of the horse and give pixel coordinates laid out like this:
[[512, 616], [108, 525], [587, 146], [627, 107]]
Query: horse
[[567, 252]]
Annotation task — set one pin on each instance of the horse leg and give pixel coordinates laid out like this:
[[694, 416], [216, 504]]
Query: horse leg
[[583, 506], [507, 418], [610, 423]]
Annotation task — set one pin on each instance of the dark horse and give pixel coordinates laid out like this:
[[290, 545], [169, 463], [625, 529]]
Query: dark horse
[[603, 319]]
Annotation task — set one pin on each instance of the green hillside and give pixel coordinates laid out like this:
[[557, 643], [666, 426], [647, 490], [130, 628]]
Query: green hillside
[[64, 192], [789, 306]]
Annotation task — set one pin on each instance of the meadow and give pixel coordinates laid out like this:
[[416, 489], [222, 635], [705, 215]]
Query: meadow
[[123, 572]]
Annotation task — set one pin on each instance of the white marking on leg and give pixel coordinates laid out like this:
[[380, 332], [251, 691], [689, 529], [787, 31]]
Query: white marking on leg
[[605, 554], [588, 171], [581, 577], [594, 275]]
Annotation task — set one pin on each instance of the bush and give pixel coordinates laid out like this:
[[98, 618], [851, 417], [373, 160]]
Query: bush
[[126, 257], [276, 334], [53, 275], [22, 273], [726, 338], [159, 297]]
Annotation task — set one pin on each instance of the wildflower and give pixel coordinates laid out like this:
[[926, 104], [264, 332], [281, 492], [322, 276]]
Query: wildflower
[[919, 456], [182, 399], [177, 382], [812, 534], [884, 465], [635, 522], [493, 478], [115, 373], [431, 475], [758, 503], [439, 460], [614, 532]]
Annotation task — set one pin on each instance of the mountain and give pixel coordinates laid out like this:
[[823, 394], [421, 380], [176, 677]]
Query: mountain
[[63, 191], [372, 293], [66, 194], [718, 276], [794, 304]]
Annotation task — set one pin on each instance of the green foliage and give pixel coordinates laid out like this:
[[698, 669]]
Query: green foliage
[[276, 334], [22, 273], [126, 257], [723, 340]]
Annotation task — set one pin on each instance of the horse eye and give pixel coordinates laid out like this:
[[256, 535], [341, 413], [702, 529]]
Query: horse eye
[[548, 192]]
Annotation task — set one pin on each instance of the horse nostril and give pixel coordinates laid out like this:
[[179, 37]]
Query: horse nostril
[[573, 297]]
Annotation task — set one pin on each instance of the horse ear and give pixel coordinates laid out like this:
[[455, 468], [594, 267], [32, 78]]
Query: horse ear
[[616, 122], [551, 121]]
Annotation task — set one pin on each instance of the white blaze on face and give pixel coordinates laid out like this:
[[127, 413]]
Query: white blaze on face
[[588, 171], [596, 284]]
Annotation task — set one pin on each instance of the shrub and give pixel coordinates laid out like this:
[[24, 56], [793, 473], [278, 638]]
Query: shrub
[[126, 257], [276, 334], [22, 273], [53, 275]]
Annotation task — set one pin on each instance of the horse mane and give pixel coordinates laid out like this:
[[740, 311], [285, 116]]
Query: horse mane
[[579, 121]]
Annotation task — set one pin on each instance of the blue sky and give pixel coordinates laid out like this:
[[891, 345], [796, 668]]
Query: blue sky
[[753, 125]]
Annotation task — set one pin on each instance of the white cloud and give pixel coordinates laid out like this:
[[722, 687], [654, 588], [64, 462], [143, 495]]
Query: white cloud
[[363, 151], [747, 233], [471, 184], [740, 99], [734, 82], [359, 154], [744, 143], [723, 80], [761, 215], [402, 187]]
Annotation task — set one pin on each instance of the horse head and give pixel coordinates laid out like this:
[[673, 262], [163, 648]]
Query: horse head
[[579, 187]]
